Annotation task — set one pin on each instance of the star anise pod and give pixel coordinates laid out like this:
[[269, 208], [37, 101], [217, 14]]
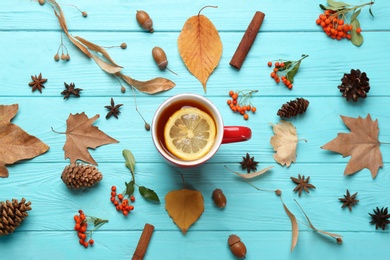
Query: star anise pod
[[114, 109], [380, 218], [71, 90], [303, 184], [349, 201], [37, 82], [249, 163]]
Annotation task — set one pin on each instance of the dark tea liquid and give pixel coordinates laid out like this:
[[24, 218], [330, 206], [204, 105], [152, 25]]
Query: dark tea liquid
[[169, 111]]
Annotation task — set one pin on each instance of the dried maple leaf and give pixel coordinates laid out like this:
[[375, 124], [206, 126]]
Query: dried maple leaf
[[361, 144], [284, 142], [15, 143], [184, 207], [200, 47], [80, 135]]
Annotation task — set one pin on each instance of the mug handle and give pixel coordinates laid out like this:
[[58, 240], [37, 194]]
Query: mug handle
[[233, 134]]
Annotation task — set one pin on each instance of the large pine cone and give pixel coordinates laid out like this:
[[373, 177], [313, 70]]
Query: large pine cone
[[12, 214], [293, 108], [354, 85], [77, 176]]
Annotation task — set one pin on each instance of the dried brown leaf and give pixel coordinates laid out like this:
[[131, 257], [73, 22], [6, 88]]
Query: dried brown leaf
[[184, 207], [253, 174], [80, 135], [15, 143], [294, 227], [97, 48], [152, 86], [284, 142], [200, 47], [335, 236], [361, 144], [107, 67]]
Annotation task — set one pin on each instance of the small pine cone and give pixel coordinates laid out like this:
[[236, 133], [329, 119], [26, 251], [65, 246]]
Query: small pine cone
[[77, 176], [12, 214], [354, 85], [293, 108]]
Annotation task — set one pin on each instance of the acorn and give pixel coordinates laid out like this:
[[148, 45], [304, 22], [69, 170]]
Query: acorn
[[219, 198], [160, 58], [144, 20], [236, 246]]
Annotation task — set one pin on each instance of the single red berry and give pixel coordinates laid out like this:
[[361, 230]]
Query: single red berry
[[113, 188], [132, 198], [269, 64], [358, 30], [231, 93], [120, 196], [91, 241], [112, 199], [85, 244], [125, 212], [80, 211], [113, 193]]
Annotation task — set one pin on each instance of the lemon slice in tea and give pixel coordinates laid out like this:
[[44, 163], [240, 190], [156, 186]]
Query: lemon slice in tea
[[189, 133]]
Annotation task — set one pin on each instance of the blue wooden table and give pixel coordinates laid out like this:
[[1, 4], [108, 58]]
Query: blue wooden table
[[29, 38]]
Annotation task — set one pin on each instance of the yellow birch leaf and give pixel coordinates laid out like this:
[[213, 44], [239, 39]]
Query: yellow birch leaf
[[200, 47], [184, 207], [285, 143]]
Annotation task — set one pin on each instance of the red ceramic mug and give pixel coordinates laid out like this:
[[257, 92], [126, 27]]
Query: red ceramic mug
[[224, 134]]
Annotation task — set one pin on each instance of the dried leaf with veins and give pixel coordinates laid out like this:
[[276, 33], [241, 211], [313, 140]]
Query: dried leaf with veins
[[184, 207], [80, 135], [109, 65], [361, 144], [332, 235], [284, 142], [200, 47], [294, 227], [253, 174], [15, 143]]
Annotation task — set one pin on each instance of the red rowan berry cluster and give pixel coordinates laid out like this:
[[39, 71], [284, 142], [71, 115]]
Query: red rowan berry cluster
[[120, 203], [334, 25], [285, 71], [240, 102], [81, 227]]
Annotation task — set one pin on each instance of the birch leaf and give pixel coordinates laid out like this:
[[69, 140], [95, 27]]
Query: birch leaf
[[284, 142], [184, 207], [294, 227], [200, 47], [15, 143]]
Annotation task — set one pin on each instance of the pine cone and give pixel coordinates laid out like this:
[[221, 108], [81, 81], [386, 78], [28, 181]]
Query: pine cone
[[77, 176], [293, 108], [12, 214], [354, 85]]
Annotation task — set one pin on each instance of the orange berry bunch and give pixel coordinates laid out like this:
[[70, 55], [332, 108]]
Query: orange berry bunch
[[334, 25], [120, 203], [81, 227], [285, 71], [240, 102]]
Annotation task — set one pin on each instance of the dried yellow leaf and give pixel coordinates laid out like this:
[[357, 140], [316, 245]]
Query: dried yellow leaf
[[284, 142], [200, 47]]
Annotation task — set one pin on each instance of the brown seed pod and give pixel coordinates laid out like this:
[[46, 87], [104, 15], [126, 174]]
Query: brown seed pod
[[56, 57], [236, 246], [123, 45], [219, 198], [144, 20], [41, 2]]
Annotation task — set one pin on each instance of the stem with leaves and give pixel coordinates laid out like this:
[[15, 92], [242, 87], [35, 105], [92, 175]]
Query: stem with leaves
[[147, 193]]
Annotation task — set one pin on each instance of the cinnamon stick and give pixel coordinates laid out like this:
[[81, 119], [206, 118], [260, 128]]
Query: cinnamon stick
[[143, 242], [247, 40]]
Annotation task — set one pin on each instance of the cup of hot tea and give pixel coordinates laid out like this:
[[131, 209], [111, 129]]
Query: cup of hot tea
[[187, 130]]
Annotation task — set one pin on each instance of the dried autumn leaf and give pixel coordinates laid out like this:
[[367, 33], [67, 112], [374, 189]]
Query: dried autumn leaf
[[200, 47], [15, 143], [80, 135], [184, 207], [152, 86], [284, 142], [252, 174], [294, 227], [361, 144]]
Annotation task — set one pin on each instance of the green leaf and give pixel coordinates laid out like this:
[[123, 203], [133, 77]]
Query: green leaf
[[337, 4], [355, 15], [371, 11], [323, 7], [287, 64], [129, 188], [291, 73], [130, 160], [356, 38], [148, 194]]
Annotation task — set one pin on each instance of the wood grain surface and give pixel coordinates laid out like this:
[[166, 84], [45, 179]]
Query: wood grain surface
[[29, 38]]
